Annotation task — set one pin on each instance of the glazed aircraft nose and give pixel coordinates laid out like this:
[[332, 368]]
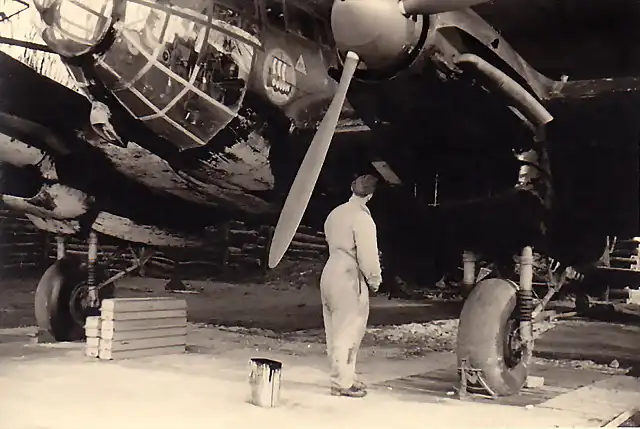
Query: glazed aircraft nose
[[73, 27]]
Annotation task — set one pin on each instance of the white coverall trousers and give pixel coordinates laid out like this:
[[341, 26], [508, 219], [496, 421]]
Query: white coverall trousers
[[353, 257]]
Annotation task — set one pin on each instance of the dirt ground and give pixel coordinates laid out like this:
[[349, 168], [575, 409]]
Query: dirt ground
[[284, 306], [272, 317], [284, 301]]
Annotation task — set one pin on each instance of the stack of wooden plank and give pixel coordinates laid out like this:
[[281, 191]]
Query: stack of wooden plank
[[92, 332], [137, 327]]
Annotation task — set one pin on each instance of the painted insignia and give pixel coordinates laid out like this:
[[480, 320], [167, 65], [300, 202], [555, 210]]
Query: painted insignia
[[300, 66], [279, 77]]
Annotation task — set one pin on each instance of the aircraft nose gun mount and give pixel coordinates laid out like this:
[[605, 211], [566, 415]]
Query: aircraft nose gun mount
[[75, 27]]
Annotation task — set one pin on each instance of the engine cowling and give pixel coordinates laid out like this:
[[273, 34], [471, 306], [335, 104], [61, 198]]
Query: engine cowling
[[376, 29]]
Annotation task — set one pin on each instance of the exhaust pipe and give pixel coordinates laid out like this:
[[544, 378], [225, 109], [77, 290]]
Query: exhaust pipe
[[533, 110]]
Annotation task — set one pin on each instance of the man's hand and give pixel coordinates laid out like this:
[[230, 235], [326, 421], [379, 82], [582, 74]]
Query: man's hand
[[374, 288]]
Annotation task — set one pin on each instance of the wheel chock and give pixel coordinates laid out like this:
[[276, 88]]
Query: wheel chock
[[472, 383]]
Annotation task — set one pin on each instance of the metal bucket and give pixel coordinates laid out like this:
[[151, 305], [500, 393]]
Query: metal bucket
[[265, 382]]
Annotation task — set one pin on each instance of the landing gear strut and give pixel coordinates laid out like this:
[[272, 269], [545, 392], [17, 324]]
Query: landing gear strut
[[70, 291]]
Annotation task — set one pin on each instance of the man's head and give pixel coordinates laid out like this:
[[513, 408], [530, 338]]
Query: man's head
[[364, 186]]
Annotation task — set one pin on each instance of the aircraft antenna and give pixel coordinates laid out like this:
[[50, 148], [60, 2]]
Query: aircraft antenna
[[4, 17]]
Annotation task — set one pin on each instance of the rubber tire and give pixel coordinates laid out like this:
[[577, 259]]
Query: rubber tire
[[482, 331], [53, 294]]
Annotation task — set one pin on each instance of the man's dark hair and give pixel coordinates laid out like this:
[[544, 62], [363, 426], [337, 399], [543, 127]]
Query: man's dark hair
[[364, 185]]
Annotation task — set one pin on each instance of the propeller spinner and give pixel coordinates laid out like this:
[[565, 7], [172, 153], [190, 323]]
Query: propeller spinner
[[371, 31]]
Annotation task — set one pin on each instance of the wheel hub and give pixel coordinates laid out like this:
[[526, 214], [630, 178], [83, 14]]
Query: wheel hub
[[513, 344], [79, 303]]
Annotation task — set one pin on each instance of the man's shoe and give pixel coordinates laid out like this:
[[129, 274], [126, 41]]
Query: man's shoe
[[359, 385], [351, 392]]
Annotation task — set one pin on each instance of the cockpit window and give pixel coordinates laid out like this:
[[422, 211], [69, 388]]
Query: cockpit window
[[300, 22], [243, 16], [246, 7], [183, 77], [275, 14]]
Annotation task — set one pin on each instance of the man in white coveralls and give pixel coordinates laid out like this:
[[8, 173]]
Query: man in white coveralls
[[352, 270]]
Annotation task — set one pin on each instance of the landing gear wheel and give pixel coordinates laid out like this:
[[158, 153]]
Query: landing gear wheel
[[488, 336], [62, 297], [465, 290]]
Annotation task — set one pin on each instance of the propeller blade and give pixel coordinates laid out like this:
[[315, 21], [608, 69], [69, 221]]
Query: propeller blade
[[428, 7], [305, 181]]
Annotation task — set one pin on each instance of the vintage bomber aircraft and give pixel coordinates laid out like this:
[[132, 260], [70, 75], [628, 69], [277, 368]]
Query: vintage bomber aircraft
[[198, 110]]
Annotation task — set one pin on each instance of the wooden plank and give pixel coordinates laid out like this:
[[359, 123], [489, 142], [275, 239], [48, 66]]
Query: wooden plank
[[620, 418], [92, 352], [135, 325], [92, 333], [141, 315], [13, 245], [139, 353], [20, 265], [308, 246], [601, 401], [302, 237], [145, 333], [557, 381], [118, 305], [92, 322], [145, 343]]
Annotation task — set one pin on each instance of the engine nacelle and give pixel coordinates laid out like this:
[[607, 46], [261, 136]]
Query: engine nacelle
[[376, 30]]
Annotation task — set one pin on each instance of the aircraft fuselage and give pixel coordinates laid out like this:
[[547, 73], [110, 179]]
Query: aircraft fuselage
[[214, 104], [215, 91]]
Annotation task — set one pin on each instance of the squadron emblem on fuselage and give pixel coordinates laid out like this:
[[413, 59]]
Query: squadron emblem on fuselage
[[279, 77]]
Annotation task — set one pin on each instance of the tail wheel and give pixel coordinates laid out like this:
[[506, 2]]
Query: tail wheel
[[61, 299], [488, 336]]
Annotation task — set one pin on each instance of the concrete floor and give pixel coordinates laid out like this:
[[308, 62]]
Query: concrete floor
[[55, 386]]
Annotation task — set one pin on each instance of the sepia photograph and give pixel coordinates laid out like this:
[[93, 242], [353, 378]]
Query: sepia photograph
[[319, 214]]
